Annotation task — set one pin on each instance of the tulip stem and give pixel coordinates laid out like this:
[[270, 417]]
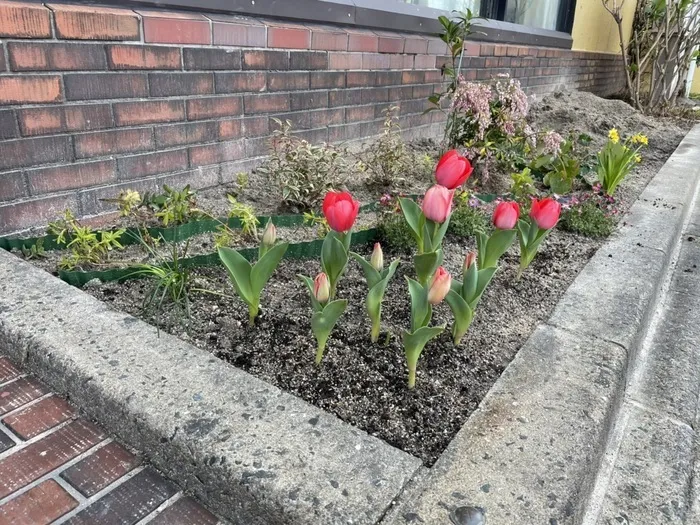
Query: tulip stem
[[411, 376], [319, 352], [252, 314], [376, 327]]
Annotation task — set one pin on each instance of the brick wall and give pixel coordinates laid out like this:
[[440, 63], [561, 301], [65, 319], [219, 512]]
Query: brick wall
[[94, 100]]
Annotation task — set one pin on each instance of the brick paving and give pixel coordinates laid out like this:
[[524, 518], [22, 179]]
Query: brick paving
[[56, 467]]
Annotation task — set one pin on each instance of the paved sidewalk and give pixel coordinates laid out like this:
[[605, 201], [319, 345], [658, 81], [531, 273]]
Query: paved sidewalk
[[56, 467]]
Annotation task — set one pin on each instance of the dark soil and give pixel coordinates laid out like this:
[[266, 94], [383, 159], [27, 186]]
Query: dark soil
[[451, 381], [365, 384]]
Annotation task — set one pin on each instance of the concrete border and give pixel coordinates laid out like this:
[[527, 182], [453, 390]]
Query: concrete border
[[532, 452], [252, 453], [529, 454]]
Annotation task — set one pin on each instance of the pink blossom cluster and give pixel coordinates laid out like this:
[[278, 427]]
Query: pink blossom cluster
[[552, 143], [474, 99], [514, 104]]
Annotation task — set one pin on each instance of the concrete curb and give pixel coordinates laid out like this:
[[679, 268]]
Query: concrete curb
[[532, 451], [252, 453]]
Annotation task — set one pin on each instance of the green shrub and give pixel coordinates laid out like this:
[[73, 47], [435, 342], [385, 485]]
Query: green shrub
[[587, 219], [395, 234], [467, 221]]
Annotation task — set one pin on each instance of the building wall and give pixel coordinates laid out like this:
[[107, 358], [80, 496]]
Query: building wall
[[695, 86], [595, 29], [96, 100]]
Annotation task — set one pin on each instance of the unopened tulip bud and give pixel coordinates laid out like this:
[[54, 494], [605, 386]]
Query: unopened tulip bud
[[377, 259], [469, 260], [322, 288], [440, 286], [269, 234]]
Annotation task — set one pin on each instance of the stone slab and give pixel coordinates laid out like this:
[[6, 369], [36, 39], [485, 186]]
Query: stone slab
[[526, 454], [653, 472], [252, 453]]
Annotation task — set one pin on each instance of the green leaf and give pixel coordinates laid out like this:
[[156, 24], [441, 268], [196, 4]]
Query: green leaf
[[497, 245], [484, 279], [323, 322], [414, 343], [440, 234], [310, 285], [463, 315], [239, 269], [334, 257], [481, 242], [265, 267], [415, 219], [426, 264], [471, 282], [421, 311], [371, 275]]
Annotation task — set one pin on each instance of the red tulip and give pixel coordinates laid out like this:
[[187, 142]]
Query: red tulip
[[469, 260], [340, 210], [440, 286], [453, 170], [506, 215], [322, 288], [437, 203], [545, 213]]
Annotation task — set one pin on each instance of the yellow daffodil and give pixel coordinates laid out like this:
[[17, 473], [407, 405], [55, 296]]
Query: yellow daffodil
[[614, 136], [638, 158], [640, 139]]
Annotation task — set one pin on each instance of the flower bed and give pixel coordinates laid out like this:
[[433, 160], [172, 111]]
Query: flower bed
[[361, 381]]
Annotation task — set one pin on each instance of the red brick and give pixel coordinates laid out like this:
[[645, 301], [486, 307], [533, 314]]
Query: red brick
[[98, 86], [18, 393], [266, 103], [256, 126], [373, 95], [416, 46], [32, 56], [424, 62], [185, 511], [71, 176], [308, 60], [6, 443], [35, 212], [268, 60], [375, 61], [111, 142], [231, 129], [243, 35], [12, 187], [209, 58], [388, 78], [309, 100], [40, 417], [41, 505], [325, 117], [136, 113], [239, 82], [42, 121], [100, 469], [179, 84], [32, 152], [436, 47], [194, 133], [366, 42], [3, 64], [390, 44], [287, 37], [345, 97], [8, 372], [487, 50], [329, 40], [24, 20], [400, 93], [198, 178], [472, 49], [140, 166], [214, 107], [74, 22], [401, 61], [8, 125], [327, 79], [217, 153], [361, 78], [176, 31], [30, 88], [344, 61], [47, 454], [413, 77], [359, 113], [143, 57], [130, 502], [500, 51], [287, 81]]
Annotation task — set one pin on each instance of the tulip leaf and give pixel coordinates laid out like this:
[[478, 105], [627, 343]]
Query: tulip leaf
[[456, 286], [371, 274], [239, 269], [413, 345], [421, 311], [426, 264], [265, 267], [376, 293], [322, 323], [415, 219], [471, 281], [310, 285], [440, 233], [497, 245], [483, 280], [463, 315], [481, 241], [334, 258]]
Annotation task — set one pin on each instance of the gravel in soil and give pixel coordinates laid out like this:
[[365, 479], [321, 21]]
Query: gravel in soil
[[365, 384]]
